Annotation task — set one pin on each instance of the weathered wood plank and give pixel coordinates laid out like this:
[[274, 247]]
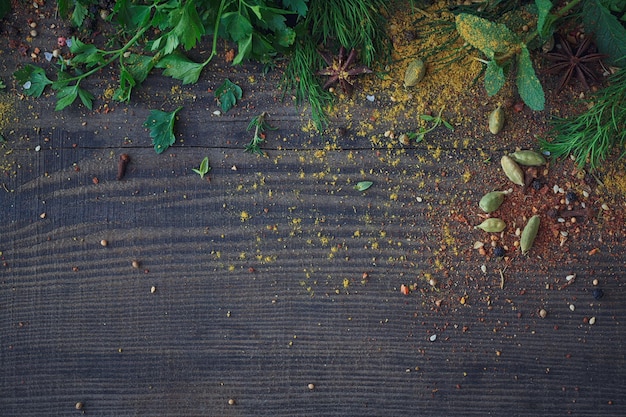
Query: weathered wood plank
[[277, 273]]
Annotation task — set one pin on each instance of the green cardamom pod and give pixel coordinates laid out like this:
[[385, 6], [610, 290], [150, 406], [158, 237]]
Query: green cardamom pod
[[496, 120], [528, 158], [414, 73], [492, 201], [512, 170], [492, 225], [529, 233]]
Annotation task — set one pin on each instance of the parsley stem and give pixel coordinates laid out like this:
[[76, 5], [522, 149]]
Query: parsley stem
[[116, 55]]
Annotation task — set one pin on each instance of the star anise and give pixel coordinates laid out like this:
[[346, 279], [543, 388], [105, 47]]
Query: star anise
[[573, 63], [339, 69]]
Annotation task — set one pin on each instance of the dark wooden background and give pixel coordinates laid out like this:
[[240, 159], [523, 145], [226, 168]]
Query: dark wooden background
[[259, 274]]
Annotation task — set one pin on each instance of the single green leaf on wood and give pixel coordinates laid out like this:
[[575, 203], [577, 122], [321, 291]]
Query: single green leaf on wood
[[228, 94], [494, 78], [204, 167], [609, 32], [363, 185], [488, 37], [178, 66], [161, 125], [528, 84], [32, 79]]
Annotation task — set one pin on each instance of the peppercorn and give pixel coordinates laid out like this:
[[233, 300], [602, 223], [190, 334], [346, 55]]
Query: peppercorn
[[499, 251], [570, 197], [536, 184], [598, 293]]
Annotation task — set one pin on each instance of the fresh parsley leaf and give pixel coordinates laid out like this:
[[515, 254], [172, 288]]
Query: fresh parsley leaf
[[33, 79], [79, 14], [227, 95], [237, 26], [204, 167], [186, 26], [66, 96], [134, 70], [178, 66], [161, 125], [298, 6], [86, 97], [131, 16], [85, 53]]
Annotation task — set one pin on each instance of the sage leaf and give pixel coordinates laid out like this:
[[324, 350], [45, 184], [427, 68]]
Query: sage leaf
[[528, 84]]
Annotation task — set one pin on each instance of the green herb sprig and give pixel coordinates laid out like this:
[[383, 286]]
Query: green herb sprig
[[204, 167], [591, 136], [260, 125], [436, 122]]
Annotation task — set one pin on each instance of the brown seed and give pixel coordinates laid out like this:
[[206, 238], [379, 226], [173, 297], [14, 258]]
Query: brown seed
[[121, 165], [135, 263], [104, 242], [311, 386], [79, 405], [543, 313], [231, 402]]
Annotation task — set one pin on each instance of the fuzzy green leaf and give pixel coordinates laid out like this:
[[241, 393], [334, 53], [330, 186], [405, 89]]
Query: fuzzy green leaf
[[528, 84], [494, 78], [227, 95], [298, 6], [544, 19], [161, 125], [488, 37], [610, 34], [33, 79], [178, 66]]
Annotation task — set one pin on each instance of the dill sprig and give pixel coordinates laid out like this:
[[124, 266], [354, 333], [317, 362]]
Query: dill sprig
[[591, 136]]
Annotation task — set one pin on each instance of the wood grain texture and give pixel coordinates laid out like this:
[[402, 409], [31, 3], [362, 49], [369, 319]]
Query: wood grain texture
[[258, 276]]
